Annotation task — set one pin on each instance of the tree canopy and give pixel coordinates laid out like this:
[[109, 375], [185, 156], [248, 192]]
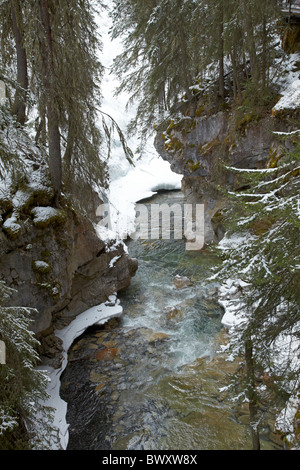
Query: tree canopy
[[52, 49], [174, 49]]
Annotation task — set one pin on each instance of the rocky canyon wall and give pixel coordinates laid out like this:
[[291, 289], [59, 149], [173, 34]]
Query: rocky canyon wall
[[200, 143], [55, 262]]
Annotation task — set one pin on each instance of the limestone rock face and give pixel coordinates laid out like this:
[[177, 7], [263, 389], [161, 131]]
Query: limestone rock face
[[199, 144], [60, 267]]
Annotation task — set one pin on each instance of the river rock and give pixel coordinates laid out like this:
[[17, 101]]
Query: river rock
[[97, 377], [212, 293], [107, 354], [171, 316], [181, 282], [157, 337]]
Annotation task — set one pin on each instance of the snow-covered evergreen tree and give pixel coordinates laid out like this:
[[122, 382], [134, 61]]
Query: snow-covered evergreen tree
[[261, 255], [50, 64], [174, 50], [22, 386]]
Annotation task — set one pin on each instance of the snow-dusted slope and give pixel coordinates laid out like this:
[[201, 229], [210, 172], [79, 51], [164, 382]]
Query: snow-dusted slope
[[151, 173], [289, 86]]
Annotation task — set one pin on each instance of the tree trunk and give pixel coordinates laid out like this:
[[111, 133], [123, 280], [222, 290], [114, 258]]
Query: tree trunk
[[264, 67], [19, 108], [67, 160], [235, 70], [161, 91], [251, 46], [70, 144], [252, 395], [221, 53], [55, 164]]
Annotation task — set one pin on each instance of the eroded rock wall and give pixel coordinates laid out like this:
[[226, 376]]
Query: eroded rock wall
[[57, 264], [199, 144]]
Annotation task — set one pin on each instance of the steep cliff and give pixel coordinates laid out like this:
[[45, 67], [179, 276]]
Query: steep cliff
[[54, 259], [205, 135], [201, 141]]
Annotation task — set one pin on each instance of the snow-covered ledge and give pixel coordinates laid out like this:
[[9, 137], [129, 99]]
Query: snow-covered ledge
[[97, 315], [229, 299]]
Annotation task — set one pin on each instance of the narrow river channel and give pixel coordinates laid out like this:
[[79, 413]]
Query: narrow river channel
[[151, 380]]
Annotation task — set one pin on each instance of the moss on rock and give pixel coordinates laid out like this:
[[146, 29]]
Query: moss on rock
[[192, 166], [45, 216], [41, 267], [12, 228]]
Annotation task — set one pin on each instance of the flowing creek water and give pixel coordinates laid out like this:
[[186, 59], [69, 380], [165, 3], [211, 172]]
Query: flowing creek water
[[151, 380]]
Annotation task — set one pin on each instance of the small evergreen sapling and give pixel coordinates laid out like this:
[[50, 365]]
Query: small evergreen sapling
[[22, 386]]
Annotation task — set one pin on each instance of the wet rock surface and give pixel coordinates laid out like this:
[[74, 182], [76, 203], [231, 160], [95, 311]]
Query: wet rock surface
[[56, 264], [199, 141]]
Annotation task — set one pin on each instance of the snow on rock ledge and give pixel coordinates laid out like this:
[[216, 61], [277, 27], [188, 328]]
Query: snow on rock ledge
[[97, 315], [229, 299]]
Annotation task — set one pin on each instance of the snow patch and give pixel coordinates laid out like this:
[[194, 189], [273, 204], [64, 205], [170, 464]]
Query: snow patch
[[289, 86], [11, 225], [97, 315], [43, 214], [128, 184], [229, 300], [114, 261]]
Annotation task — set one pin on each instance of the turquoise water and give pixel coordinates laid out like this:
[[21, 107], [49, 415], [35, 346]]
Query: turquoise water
[[153, 379]]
